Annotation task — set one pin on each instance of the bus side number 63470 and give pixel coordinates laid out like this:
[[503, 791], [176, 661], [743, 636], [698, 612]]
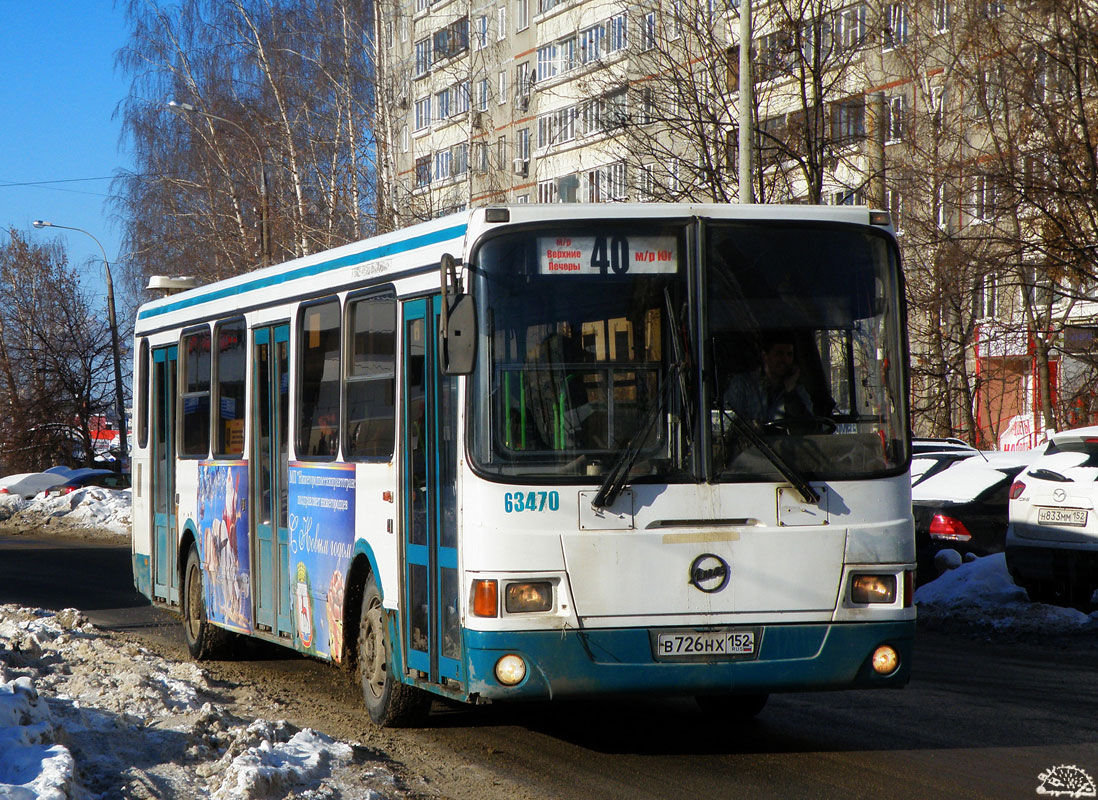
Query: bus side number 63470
[[531, 501]]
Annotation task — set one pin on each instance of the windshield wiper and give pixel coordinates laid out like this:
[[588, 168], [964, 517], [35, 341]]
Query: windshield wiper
[[1049, 475], [748, 432], [616, 477]]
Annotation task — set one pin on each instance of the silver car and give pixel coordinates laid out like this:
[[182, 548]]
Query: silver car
[[1052, 535]]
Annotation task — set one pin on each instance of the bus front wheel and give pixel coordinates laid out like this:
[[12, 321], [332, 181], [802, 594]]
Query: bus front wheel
[[390, 703], [204, 639]]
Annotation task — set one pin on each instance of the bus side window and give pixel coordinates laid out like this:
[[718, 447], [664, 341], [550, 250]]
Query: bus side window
[[370, 383], [195, 395], [318, 381]]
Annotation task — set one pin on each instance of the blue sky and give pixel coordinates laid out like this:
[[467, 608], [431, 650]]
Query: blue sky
[[58, 93]]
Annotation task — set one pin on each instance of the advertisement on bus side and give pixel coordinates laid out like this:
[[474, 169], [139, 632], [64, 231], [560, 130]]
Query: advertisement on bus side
[[321, 519]]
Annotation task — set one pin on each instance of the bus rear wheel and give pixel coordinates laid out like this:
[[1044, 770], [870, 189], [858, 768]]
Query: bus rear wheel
[[391, 704], [204, 639]]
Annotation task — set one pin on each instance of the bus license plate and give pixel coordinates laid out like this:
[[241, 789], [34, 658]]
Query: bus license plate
[[707, 644], [1075, 517]]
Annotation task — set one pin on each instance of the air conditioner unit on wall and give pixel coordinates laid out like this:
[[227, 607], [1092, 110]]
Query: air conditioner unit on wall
[[520, 166]]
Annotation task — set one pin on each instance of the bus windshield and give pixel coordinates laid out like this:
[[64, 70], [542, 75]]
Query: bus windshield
[[592, 339]]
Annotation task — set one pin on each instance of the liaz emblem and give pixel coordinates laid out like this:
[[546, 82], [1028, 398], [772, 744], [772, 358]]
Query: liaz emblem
[[709, 573]]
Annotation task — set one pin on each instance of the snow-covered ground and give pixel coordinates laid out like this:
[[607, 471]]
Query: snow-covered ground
[[84, 715], [980, 593]]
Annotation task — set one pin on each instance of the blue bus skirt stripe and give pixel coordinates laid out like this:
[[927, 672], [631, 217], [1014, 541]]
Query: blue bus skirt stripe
[[791, 658]]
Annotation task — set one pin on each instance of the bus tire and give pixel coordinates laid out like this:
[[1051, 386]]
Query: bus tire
[[204, 639], [390, 703], [733, 706]]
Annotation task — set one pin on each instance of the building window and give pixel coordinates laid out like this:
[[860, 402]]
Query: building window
[[895, 114], [423, 113], [649, 31], [482, 94], [501, 23], [984, 201], [442, 105], [591, 43], [895, 33], [619, 33], [987, 290], [423, 171], [451, 40], [646, 181], [480, 32], [547, 191], [423, 56], [522, 15], [459, 158], [523, 84], [848, 121], [851, 27], [942, 13], [460, 98], [443, 165], [993, 8], [556, 127], [522, 143]]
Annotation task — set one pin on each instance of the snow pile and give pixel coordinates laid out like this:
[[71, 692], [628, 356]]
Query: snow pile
[[85, 716], [981, 593], [89, 507]]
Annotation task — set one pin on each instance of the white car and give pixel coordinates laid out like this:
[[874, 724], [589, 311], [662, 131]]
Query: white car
[[28, 484], [1052, 535]]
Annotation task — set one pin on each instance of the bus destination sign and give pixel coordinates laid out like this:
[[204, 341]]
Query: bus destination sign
[[607, 255]]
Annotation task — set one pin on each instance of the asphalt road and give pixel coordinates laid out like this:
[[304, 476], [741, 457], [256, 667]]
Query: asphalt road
[[981, 718]]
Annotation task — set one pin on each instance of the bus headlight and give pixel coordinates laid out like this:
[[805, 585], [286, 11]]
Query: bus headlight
[[873, 589], [525, 598], [510, 670]]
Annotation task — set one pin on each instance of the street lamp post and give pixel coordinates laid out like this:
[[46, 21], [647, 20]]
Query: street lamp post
[[120, 397], [264, 235]]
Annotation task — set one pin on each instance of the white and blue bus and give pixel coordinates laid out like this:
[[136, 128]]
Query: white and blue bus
[[536, 451]]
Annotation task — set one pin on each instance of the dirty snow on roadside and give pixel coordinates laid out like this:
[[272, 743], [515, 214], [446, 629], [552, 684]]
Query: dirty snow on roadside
[[980, 593], [90, 507], [86, 716]]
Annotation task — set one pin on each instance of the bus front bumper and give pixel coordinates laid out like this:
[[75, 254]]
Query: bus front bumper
[[788, 658]]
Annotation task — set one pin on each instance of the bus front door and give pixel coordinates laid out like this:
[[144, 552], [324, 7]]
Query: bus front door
[[165, 540], [269, 460], [431, 626]]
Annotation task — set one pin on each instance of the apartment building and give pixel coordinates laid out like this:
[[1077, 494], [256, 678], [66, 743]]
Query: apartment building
[[928, 108]]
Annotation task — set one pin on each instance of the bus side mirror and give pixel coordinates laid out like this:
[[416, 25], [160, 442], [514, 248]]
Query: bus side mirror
[[457, 335]]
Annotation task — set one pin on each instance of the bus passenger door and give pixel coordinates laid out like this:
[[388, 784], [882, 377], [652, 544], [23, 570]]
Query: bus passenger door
[[165, 540], [269, 458], [431, 622]]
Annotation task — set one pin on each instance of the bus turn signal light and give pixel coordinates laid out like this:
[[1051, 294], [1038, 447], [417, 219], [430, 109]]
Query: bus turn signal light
[[485, 598]]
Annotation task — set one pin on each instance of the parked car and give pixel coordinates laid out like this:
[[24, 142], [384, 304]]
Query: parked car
[[1052, 538], [88, 476], [963, 505], [924, 445], [28, 484]]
